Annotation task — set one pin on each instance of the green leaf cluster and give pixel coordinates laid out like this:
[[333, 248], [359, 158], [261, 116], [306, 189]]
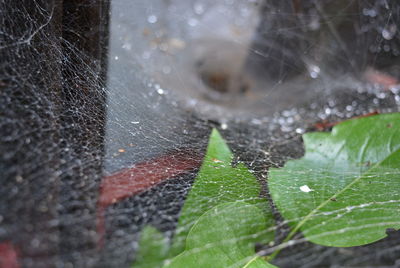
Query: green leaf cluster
[[221, 221], [353, 174], [344, 192]]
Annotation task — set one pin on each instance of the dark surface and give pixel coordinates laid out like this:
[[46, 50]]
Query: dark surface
[[52, 110], [30, 86], [83, 114]]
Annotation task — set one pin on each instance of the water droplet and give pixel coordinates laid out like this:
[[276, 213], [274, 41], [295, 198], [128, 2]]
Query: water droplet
[[290, 242], [255, 121], [314, 71], [152, 19], [381, 95], [224, 126], [192, 102], [369, 12], [389, 32], [314, 24], [286, 113], [328, 110], [127, 46], [160, 91], [116, 57], [395, 89], [19, 179]]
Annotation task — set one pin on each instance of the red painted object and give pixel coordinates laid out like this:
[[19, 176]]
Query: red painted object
[[141, 177], [326, 125], [8, 256], [382, 79]]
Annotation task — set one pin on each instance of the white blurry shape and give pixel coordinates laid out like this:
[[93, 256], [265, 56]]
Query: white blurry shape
[[369, 12], [305, 189], [152, 19], [176, 43], [314, 70], [389, 32]]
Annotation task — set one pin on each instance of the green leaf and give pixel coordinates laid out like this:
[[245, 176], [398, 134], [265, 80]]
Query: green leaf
[[345, 191], [153, 249], [217, 182], [225, 236]]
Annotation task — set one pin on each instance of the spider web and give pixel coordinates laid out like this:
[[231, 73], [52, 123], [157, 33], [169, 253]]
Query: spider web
[[106, 108]]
